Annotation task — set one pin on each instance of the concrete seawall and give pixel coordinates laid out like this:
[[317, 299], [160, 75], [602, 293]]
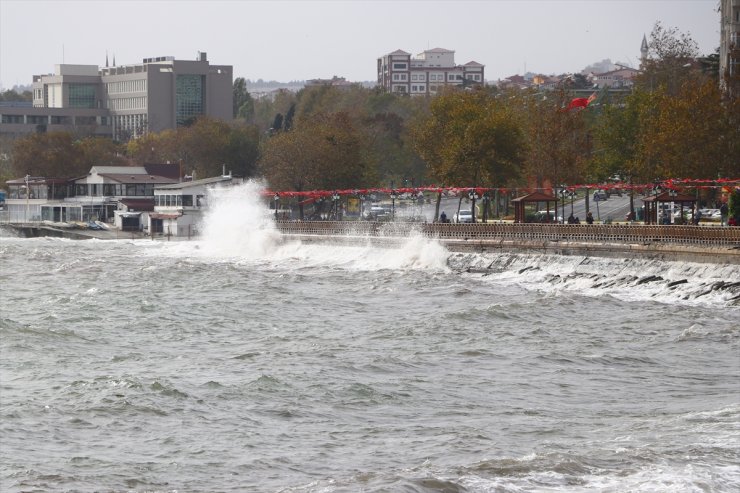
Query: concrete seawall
[[654, 251], [708, 245]]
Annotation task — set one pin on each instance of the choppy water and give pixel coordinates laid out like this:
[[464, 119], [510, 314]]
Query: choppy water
[[237, 363]]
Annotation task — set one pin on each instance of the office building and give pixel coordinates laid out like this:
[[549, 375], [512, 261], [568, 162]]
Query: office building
[[125, 101]]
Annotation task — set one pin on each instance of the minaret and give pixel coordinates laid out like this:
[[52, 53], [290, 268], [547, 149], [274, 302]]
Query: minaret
[[106, 59], [643, 50]]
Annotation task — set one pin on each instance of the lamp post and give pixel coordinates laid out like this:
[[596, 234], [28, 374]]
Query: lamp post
[[657, 189], [486, 199], [673, 194], [563, 193], [277, 199], [27, 178], [473, 196], [335, 197], [394, 195]]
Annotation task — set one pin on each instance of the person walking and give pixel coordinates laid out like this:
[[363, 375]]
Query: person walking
[[589, 218], [723, 211]]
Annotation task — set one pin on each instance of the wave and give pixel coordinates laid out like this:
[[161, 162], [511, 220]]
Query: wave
[[627, 279]]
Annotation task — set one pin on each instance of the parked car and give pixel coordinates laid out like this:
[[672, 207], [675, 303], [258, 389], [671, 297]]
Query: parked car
[[377, 212], [600, 195], [464, 216], [543, 217]]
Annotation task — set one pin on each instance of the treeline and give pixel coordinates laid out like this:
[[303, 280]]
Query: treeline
[[675, 123]]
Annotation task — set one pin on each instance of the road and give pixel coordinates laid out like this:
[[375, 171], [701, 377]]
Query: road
[[615, 208]]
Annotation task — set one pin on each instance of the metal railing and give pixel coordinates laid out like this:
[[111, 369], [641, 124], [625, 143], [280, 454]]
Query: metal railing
[[602, 233]]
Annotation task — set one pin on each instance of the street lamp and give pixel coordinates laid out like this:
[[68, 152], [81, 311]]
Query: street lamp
[[335, 197], [563, 193], [277, 199], [473, 196], [657, 189], [394, 195]]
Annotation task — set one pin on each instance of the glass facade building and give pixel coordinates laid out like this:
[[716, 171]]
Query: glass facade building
[[189, 96]]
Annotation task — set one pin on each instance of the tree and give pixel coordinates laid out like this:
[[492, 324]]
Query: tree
[[243, 102], [323, 152], [470, 139], [204, 148], [11, 95], [277, 123], [690, 135], [51, 155], [669, 60], [288, 122]]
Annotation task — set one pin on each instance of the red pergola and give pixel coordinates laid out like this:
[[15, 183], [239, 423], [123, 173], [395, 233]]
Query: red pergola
[[652, 204], [520, 204]]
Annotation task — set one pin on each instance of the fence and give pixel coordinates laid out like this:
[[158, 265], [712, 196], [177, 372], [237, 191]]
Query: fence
[[602, 233]]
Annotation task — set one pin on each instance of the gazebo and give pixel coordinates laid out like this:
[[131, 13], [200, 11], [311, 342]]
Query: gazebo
[[653, 204], [520, 204]]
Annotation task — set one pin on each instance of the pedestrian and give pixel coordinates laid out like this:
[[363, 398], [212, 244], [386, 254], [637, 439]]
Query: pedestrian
[[697, 217], [589, 218], [443, 217], [723, 210]]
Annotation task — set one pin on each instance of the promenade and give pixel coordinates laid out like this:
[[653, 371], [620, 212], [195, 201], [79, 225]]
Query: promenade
[[681, 243]]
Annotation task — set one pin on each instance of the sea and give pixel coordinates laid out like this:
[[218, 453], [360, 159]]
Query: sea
[[244, 362]]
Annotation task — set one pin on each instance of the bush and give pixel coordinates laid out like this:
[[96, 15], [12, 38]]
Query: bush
[[733, 204]]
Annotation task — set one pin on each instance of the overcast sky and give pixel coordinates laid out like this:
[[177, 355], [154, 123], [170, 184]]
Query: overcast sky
[[298, 40]]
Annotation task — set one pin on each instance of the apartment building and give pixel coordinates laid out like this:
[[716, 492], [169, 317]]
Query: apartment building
[[125, 101], [427, 73]]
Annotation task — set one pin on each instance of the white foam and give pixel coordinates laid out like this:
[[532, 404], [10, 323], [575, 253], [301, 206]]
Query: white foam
[[239, 227]]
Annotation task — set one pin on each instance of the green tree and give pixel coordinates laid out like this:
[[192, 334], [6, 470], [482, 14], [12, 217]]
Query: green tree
[[11, 95], [243, 102]]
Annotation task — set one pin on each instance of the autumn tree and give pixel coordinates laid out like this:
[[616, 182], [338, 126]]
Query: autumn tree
[[323, 152], [204, 148], [50, 154], [470, 139], [670, 59], [689, 135]]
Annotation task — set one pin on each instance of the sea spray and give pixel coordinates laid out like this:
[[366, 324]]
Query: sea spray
[[238, 223]]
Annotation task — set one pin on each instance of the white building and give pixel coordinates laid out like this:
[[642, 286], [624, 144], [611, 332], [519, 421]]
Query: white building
[[620, 77], [179, 207], [427, 73], [96, 196]]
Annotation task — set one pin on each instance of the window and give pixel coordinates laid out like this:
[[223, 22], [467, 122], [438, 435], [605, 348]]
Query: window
[[84, 120], [396, 76], [189, 97], [12, 119], [37, 119], [399, 66], [61, 120], [81, 96], [187, 200]]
